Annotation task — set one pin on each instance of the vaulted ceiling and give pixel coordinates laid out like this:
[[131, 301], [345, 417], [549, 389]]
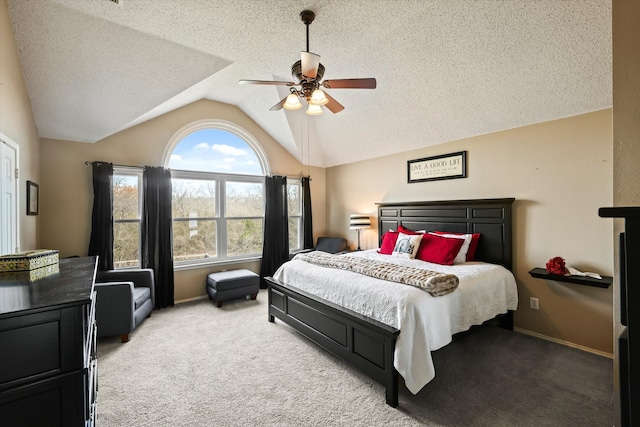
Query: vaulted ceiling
[[445, 69]]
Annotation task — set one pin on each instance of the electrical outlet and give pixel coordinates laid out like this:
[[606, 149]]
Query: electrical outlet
[[533, 303]]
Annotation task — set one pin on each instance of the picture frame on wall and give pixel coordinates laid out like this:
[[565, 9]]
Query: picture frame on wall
[[445, 166], [33, 195]]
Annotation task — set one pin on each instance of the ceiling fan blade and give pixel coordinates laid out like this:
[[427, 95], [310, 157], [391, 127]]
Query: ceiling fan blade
[[279, 105], [350, 84], [265, 82], [333, 105], [309, 64]]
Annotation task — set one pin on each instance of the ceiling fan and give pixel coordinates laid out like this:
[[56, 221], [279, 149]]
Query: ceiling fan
[[308, 73]]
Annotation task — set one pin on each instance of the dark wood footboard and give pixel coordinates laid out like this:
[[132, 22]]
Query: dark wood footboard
[[366, 344]]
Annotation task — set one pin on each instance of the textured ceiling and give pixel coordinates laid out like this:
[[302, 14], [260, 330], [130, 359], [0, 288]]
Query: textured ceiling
[[446, 69]]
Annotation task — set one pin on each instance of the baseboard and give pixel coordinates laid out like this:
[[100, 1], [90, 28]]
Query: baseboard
[[567, 343], [180, 301]]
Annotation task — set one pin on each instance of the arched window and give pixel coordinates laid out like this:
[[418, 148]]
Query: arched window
[[216, 151], [218, 172]]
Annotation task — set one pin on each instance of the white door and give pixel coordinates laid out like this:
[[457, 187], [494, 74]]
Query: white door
[[8, 199]]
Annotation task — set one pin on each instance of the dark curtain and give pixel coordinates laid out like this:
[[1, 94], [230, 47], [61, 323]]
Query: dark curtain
[[275, 250], [307, 223], [157, 248], [101, 241]]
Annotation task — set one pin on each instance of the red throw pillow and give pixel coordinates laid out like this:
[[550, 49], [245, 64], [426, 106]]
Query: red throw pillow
[[388, 242], [473, 245], [439, 250], [405, 230]]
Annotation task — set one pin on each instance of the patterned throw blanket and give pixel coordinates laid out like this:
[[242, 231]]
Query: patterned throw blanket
[[437, 284]]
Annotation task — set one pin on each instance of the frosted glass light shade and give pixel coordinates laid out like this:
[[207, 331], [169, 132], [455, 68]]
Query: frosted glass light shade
[[292, 102], [318, 98], [314, 110]]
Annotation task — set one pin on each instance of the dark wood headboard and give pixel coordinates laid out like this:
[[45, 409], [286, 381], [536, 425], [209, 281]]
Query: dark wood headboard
[[489, 217]]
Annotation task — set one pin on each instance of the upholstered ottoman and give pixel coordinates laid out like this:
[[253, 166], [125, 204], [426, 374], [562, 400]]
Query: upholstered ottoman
[[226, 285]]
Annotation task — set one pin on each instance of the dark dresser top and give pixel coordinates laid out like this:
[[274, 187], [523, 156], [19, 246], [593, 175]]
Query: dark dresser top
[[72, 285]]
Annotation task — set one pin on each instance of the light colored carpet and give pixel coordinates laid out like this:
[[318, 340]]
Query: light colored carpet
[[198, 365]]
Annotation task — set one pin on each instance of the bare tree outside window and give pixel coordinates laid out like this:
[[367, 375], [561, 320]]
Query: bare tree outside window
[[244, 217], [294, 205], [126, 220], [195, 222]]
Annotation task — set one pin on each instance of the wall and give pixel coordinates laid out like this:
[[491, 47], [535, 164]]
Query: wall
[[626, 109], [67, 195], [560, 173], [17, 123], [626, 128]]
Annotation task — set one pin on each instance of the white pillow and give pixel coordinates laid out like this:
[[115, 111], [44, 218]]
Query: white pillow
[[461, 257], [407, 245]]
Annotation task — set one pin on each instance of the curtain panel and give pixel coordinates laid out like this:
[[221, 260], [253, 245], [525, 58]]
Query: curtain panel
[[157, 247], [307, 220], [101, 240], [275, 249]]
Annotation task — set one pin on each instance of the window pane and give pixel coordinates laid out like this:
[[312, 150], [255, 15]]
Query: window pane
[[126, 243], [193, 198], [194, 239], [244, 199], [215, 150], [125, 197], [244, 236], [294, 240], [293, 201]]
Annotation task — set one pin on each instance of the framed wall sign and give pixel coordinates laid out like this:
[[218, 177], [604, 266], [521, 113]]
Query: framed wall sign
[[32, 198], [445, 166]]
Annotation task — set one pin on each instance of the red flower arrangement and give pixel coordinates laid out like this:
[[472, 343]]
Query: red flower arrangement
[[556, 266]]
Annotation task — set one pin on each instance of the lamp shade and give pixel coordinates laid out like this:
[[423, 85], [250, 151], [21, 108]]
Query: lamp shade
[[314, 110], [292, 102], [318, 98], [359, 221]]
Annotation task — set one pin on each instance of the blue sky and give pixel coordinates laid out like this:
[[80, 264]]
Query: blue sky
[[215, 150]]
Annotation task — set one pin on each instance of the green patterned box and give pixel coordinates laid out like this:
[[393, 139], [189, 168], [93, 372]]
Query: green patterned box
[[31, 275], [28, 260]]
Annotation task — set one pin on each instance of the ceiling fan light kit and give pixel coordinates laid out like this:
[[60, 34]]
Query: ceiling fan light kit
[[318, 98], [314, 110], [308, 74], [292, 102]]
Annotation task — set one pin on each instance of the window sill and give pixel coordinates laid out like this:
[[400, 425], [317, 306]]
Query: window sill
[[217, 262]]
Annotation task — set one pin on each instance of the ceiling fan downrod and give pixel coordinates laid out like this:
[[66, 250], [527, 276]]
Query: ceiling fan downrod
[[307, 18]]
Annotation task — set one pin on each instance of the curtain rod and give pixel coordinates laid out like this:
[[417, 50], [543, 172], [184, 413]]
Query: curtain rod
[[88, 163], [298, 177]]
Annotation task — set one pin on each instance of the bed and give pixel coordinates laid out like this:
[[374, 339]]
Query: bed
[[383, 341]]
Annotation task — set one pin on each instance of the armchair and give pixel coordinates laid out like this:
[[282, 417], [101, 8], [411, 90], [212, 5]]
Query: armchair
[[332, 245], [124, 298]]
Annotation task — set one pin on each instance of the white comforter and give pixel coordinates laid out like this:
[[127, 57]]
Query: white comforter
[[426, 323]]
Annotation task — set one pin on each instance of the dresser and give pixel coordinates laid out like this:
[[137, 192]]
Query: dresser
[[48, 365]]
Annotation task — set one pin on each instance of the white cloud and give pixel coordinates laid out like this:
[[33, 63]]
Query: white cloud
[[228, 150], [249, 162], [228, 160], [175, 157], [201, 146]]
